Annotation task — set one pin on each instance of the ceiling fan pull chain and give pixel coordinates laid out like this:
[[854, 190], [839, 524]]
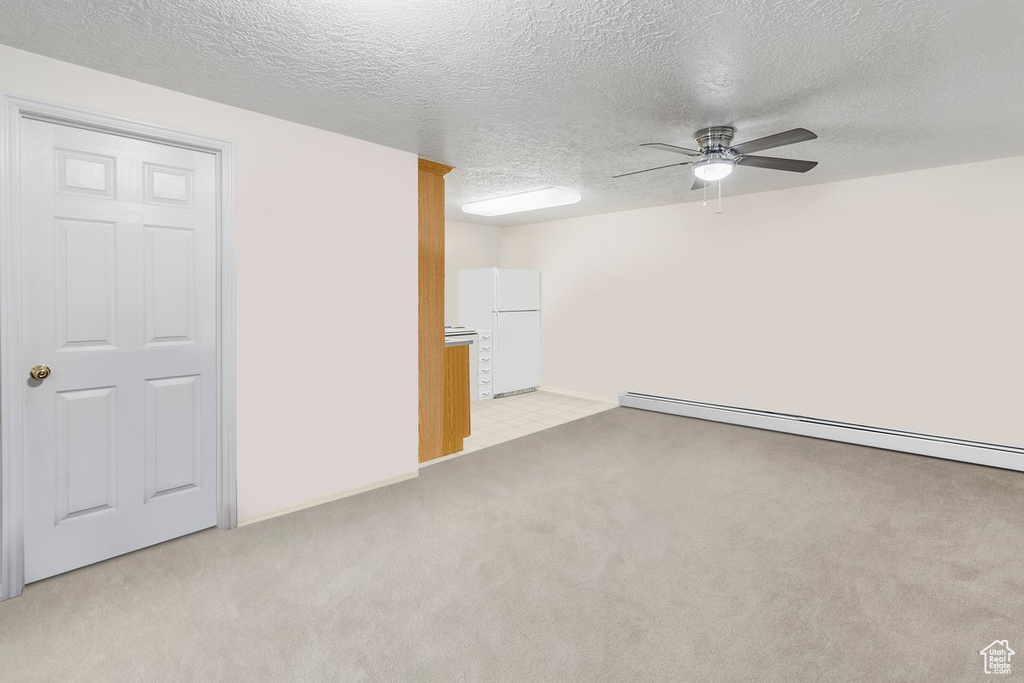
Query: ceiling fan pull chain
[[719, 196], [705, 191]]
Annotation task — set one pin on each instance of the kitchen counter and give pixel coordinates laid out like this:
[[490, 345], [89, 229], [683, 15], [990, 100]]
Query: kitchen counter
[[457, 341]]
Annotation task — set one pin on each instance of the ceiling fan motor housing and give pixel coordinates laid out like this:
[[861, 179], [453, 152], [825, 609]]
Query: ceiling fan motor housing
[[714, 139]]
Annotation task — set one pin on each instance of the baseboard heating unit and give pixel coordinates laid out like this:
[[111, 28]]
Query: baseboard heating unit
[[993, 455]]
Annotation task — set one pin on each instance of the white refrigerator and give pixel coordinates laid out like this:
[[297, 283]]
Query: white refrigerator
[[505, 301]]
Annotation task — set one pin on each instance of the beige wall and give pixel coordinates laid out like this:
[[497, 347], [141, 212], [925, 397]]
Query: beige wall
[[326, 254], [467, 245], [895, 301]]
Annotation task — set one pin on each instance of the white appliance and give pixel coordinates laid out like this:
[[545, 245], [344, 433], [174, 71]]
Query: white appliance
[[506, 302]]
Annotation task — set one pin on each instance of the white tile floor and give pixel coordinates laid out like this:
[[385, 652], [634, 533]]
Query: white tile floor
[[502, 419]]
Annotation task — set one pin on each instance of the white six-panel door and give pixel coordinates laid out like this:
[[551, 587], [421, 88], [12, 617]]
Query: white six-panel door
[[119, 271]]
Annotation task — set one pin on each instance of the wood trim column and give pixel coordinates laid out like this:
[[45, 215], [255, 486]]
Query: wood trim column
[[431, 295]]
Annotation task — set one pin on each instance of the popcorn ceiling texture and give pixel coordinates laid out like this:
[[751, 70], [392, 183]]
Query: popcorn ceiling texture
[[520, 94]]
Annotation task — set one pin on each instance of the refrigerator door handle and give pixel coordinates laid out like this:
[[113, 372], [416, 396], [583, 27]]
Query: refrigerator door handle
[[496, 305], [497, 331]]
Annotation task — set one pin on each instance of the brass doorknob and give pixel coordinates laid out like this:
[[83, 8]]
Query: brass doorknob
[[39, 371]]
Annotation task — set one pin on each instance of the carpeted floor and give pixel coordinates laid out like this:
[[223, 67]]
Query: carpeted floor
[[625, 546]]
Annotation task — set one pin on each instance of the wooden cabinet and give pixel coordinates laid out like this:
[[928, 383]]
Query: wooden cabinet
[[431, 308], [456, 420]]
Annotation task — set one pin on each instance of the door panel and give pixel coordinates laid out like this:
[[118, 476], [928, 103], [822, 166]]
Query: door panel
[[170, 284], [167, 185], [86, 277], [84, 173], [518, 290], [516, 351], [173, 429], [85, 452], [119, 261]]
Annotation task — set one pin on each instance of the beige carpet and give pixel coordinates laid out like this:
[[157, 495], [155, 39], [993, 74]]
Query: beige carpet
[[625, 546]]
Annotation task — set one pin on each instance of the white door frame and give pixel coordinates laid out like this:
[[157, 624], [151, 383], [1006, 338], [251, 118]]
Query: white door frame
[[12, 375]]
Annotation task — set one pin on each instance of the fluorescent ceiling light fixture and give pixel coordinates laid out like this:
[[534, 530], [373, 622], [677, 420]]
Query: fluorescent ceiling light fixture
[[713, 169], [524, 201]]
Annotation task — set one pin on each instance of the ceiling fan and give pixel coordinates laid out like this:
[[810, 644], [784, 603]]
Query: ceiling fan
[[718, 157]]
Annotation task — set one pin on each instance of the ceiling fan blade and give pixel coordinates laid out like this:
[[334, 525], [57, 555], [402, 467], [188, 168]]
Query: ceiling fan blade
[[794, 165], [656, 168], [699, 184], [672, 148], [778, 140]]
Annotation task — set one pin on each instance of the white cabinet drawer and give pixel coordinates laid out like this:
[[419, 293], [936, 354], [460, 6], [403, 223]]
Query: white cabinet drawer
[[484, 367]]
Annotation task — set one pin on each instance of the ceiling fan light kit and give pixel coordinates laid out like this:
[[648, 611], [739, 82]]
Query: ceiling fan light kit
[[714, 168], [716, 156]]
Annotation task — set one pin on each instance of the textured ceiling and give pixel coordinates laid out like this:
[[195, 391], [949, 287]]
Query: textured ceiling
[[521, 94]]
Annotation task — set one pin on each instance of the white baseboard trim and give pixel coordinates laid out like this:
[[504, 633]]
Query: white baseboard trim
[[600, 398], [993, 455], [337, 496]]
